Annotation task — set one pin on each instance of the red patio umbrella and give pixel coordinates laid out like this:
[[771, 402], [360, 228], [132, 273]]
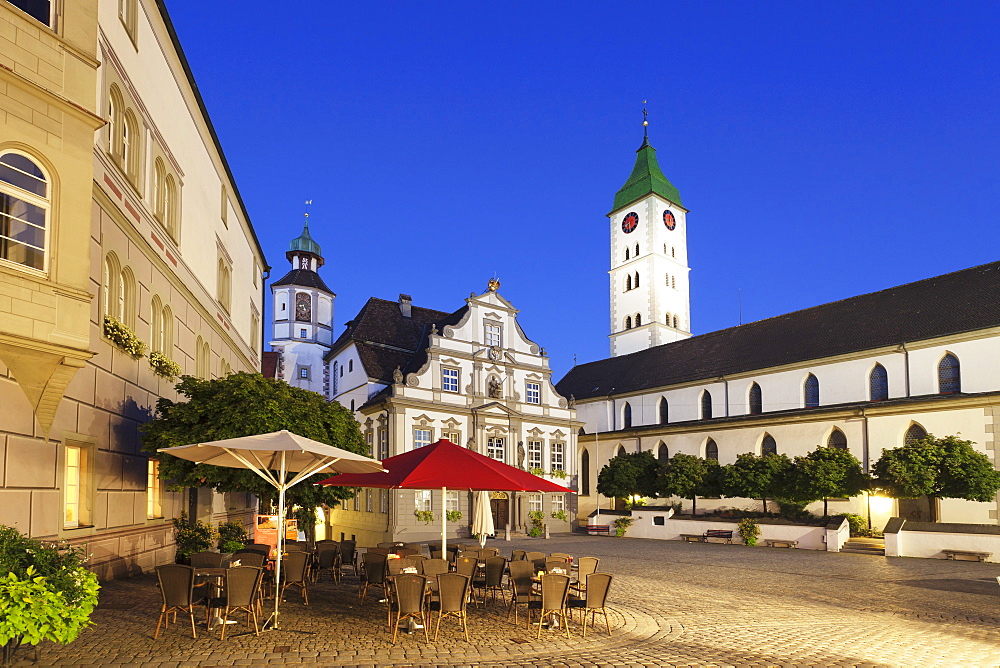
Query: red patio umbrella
[[444, 465]]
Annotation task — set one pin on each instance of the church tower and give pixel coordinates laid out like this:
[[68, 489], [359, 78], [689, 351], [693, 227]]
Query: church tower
[[302, 322], [650, 301]]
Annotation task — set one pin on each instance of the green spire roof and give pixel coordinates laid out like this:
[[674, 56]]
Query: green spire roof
[[304, 242], [646, 178]]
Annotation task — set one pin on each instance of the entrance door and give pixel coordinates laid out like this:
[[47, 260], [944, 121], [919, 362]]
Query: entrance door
[[501, 513]]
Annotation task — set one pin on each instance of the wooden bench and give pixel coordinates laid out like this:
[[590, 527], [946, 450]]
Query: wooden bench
[[598, 528], [975, 556], [778, 542], [725, 534]]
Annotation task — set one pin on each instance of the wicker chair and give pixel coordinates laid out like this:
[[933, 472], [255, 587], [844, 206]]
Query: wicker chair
[[239, 594], [491, 581], [432, 567], [373, 566], [557, 562], [597, 588], [205, 560], [348, 554], [555, 589], [584, 567], [295, 572], [176, 584], [520, 585], [329, 561], [563, 555], [405, 551], [398, 566], [452, 599], [409, 601], [487, 552], [538, 558], [517, 555], [414, 546], [467, 566], [260, 547]]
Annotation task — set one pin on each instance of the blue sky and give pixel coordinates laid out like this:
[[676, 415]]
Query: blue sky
[[824, 150]]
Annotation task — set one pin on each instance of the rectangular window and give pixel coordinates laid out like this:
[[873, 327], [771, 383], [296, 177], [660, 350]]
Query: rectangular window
[[383, 501], [557, 450], [255, 333], [40, 10], [558, 502], [368, 442], [495, 448], [71, 486], [383, 443], [422, 499], [368, 500], [494, 335], [357, 499], [533, 392], [153, 506], [304, 373], [302, 335], [451, 503], [421, 437], [449, 380], [534, 455], [534, 503], [225, 206], [453, 436]]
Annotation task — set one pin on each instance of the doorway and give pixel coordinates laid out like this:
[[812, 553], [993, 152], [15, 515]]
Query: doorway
[[501, 513]]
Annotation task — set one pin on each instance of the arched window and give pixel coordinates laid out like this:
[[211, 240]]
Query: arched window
[[638, 320], [949, 375], [627, 416], [673, 252], [711, 450], [664, 410], [755, 400], [675, 322], [115, 107], [628, 322], [637, 250], [837, 440], [127, 298], [155, 325], [662, 453], [668, 280], [335, 368], [170, 215], [584, 472], [673, 282], [24, 211], [768, 446], [626, 253], [159, 188], [621, 451], [706, 405], [810, 391], [131, 146], [878, 383], [350, 365], [112, 287], [668, 319], [167, 331], [628, 282], [914, 433], [636, 283], [200, 363], [225, 284]]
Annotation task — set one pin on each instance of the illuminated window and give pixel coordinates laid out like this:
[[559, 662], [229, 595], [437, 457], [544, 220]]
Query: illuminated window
[[153, 490], [71, 486], [24, 212]]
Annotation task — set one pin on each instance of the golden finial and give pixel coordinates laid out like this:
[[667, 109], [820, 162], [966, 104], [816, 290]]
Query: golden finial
[[645, 120], [493, 285]]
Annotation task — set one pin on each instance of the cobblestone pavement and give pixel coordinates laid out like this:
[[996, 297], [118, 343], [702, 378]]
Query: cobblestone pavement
[[671, 603]]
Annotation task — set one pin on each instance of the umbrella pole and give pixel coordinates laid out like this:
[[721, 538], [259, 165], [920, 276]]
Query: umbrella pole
[[281, 539], [444, 522]]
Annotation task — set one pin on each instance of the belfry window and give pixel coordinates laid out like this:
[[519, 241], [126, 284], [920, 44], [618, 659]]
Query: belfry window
[[628, 322], [628, 282], [638, 320]]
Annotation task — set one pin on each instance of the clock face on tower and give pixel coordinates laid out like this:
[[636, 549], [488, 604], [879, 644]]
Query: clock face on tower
[[629, 222], [303, 307], [668, 220]]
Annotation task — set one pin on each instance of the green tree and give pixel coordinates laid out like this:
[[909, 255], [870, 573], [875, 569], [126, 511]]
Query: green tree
[[245, 404], [754, 477], [628, 475], [947, 467], [682, 475], [824, 473]]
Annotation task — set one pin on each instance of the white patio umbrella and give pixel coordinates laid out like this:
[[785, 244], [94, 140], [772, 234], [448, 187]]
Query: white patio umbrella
[[273, 457], [482, 518]]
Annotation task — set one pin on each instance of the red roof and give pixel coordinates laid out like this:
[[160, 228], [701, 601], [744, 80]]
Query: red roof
[[444, 464]]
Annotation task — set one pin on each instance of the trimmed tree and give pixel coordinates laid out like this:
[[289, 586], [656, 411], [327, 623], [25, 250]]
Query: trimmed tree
[[824, 473], [754, 477], [682, 475], [947, 467], [632, 474], [246, 404]]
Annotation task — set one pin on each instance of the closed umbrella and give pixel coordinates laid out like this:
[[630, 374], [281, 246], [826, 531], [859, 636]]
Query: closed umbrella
[[482, 518], [275, 457], [444, 465]]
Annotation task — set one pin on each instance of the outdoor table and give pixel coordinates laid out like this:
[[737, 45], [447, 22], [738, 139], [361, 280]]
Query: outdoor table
[[216, 574]]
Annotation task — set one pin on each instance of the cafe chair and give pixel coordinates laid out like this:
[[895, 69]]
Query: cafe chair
[[452, 599], [294, 573], [555, 589], [409, 602], [491, 580], [584, 567], [329, 561], [239, 594], [348, 554], [520, 585], [176, 583], [597, 588], [373, 572]]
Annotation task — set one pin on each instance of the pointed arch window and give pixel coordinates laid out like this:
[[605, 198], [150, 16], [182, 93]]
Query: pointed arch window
[[668, 319], [131, 146], [914, 433], [711, 450], [638, 320], [664, 411], [620, 452], [810, 391], [706, 405], [637, 250], [584, 473], [636, 284], [627, 416], [768, 446], [24, 211], [115, 107], [949, 375], [628, 282], [225, 285], [878, 384], [662, 453], [628, 322], [626, 253], [676, 320], [755, 400], [837, 440]]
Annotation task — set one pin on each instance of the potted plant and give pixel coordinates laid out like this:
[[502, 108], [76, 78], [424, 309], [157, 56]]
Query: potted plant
[[192, 536], [558, 515], [163, 366], [749, 531], [453, 515], [558, 473], [232, 537], [123, 337], [535, 528], [425, 516], [537, 471], [622, 524], [46, 592]]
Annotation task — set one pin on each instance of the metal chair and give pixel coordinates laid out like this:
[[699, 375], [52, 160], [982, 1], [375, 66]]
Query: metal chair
[[597, 587], [453, 596], [239, 594], [295, 573], [409, 601], [176, 583], [520, 585], [492, 580], [555, 589]]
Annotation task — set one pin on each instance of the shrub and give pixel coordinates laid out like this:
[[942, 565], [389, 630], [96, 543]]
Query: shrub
[[622, 524], [230, 546], [793, 510], [191, 537], [46, 592], [749, 531], [232, 531], [859, 525], [536, 528]]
